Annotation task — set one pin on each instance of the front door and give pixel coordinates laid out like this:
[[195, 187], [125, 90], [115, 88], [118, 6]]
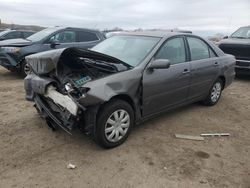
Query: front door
[[164, 88], [65, 39]]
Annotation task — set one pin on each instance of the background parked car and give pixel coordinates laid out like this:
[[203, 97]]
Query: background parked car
[[13, 34], [14, 51], [125, 79], [238, 44]]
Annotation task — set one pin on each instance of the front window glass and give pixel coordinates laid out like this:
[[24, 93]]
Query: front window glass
[[130, 49], [243, 32], [173, 50], [64, 37]]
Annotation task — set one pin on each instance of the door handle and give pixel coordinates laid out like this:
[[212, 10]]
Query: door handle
[[185, 71], [216, 64]]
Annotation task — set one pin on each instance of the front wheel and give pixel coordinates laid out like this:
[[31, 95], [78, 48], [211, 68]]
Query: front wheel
[[25, 69], [215, 93], [114, 123]]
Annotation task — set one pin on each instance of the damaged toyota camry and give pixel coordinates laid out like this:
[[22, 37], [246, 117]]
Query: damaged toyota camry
[[124, 80]]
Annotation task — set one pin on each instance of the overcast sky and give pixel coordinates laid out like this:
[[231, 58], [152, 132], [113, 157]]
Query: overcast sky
[[197, 15]]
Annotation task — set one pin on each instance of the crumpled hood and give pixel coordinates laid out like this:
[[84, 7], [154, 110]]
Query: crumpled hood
[[235, 41], [45, 62], [15, 42]]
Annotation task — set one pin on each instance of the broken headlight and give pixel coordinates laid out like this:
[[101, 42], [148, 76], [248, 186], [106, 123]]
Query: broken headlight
[[76, 91], [11, 49]]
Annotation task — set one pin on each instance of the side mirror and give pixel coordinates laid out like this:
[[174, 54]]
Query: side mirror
[[160, 64], [225, 37], [54, 43]]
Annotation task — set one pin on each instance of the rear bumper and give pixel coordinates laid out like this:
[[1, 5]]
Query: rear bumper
[[242, 71], [242, 67]]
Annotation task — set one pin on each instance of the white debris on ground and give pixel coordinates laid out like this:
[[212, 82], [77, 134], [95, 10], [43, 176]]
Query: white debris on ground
[[71, 166]]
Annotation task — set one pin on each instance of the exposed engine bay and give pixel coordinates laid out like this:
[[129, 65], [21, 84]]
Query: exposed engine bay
[[83, 70], [72, 75]]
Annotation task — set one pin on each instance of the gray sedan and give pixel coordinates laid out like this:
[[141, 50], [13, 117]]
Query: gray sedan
[[124, 80]]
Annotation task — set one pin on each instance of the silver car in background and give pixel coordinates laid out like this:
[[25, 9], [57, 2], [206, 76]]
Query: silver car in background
[[124, 80]]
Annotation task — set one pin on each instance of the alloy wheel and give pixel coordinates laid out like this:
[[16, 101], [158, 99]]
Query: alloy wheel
[[117, 125], [216, 92]]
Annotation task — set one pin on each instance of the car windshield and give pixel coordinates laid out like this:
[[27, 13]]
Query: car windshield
[[42, 34], [130, 49], [243, 32]]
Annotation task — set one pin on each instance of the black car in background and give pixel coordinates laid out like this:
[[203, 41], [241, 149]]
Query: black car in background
[[14, 51], [13, 34], [238, 44]]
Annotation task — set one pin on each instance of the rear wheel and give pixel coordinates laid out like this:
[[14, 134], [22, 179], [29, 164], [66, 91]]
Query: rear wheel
[[114, 123], [215, 93]]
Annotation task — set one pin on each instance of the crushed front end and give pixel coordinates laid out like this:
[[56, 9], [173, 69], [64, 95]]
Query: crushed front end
[[57, 86]]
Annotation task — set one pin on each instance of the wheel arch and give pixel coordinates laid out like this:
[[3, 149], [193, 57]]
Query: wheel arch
[[223, 78], [123, 97]]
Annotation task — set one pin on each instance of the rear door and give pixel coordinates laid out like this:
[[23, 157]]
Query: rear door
[[87, 39], [204, 67], [164, 88]]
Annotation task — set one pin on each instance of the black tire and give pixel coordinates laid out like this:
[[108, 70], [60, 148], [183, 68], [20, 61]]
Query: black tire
[[210, 101], [104, 114], [23, 71]]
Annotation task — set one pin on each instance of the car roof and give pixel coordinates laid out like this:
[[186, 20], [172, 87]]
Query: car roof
[[13, 30], [161, 34], [62, 27], [246, 26]]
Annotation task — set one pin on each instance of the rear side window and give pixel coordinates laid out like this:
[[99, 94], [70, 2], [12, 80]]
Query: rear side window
[[173, 50], [27, 34], [13, 35], [199, 49], [87, 36]]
